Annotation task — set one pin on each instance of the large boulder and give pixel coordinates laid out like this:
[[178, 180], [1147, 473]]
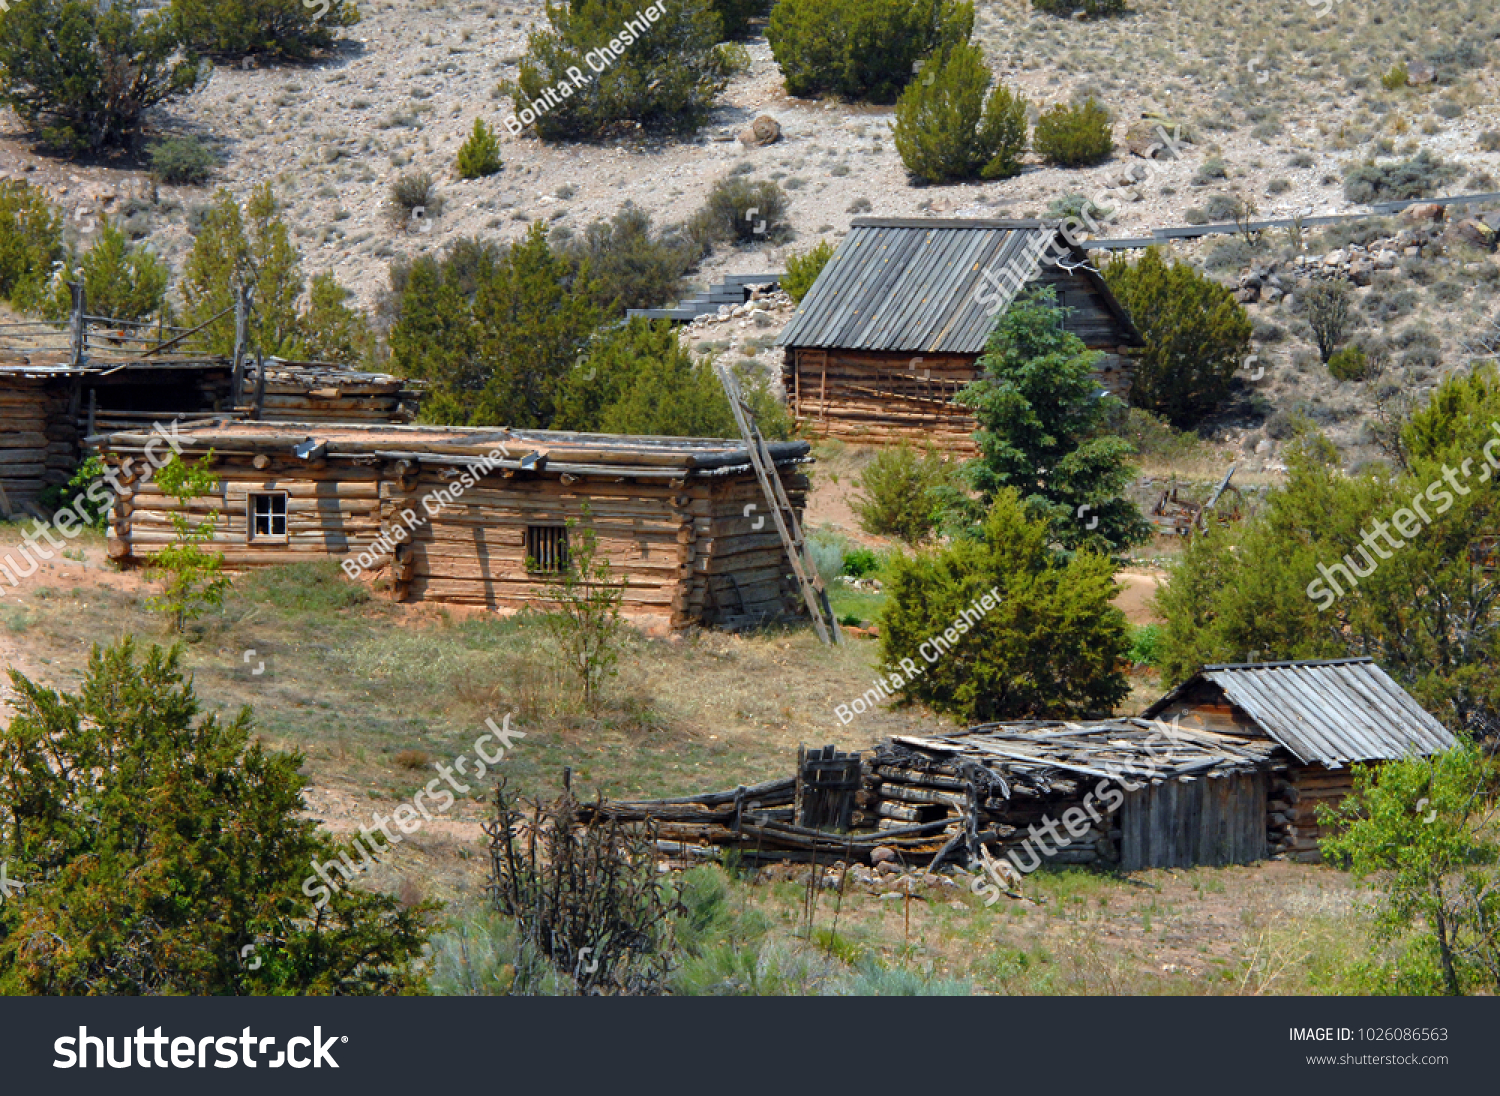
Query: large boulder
[[765, 130]]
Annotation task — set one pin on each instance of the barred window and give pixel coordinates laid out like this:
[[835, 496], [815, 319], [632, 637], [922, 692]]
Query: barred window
[[268, 516], [546, 549]]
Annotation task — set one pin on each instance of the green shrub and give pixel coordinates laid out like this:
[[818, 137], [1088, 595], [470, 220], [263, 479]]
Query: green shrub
[[495, 333], [1348, 364], [1196, 335], [1395, 78], [143, 792], [1415, 178], [294, 29], [997, 669], [413, 200], [945, 129], [75, 494], [740, 211], [1074, 136], [480, 154], [902, 493], [1146, 645], [181, 161], [1093, 8], [859, 562], [331, 330], [61, 67], [802, 270], [30, 242], [866, 50], [1329, 314], [632, 266], [666, 78]]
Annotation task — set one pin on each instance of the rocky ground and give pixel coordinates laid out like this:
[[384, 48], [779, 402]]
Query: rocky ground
[[1276, 106]]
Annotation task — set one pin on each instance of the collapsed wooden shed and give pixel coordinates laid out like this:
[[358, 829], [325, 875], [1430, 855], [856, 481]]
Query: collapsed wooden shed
[[894, 325], [1229, 769], [481, 516]]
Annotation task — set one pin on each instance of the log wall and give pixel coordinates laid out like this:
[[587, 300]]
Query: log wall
[[684, 548], [1293, 808], [38, 446], [869, 397]]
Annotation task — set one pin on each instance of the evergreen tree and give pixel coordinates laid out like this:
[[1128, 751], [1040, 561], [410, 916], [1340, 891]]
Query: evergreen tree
[[494, 335], [121, 280], [252, 246], [1043, 430], [862, 51], [666, 78], [480, 154], [157, 843], [1050, 648], [1197, 335], [331, 330], [31, 240], [945, 129], [83, 73], [294, 29]]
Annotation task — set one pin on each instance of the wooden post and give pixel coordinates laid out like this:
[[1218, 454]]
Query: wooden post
[[260, 386], [93, 410], [241, 331], [77, 328]]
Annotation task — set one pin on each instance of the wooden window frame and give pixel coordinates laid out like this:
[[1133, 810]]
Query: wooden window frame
[[546, 549], [254, 537]]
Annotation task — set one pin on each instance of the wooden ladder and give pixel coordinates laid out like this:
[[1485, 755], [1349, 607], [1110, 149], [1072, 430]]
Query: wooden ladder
[[782, 513]]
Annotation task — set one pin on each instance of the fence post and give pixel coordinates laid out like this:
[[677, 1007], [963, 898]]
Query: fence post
[[260, 386], [241, 332], [77, 328]]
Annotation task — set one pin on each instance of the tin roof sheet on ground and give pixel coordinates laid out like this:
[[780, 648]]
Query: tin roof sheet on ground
[[1334, 712]]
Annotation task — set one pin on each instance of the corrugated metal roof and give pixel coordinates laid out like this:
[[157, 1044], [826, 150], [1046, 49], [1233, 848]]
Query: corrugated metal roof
[[917, 285], [1333, 711]]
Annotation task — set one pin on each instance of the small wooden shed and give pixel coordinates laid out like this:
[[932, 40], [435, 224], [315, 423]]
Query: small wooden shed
[[894, 325], [480, 516], [1326, 715]]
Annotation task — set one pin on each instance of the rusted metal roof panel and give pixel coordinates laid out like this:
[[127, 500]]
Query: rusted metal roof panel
[[1333, 712], [911, 286]]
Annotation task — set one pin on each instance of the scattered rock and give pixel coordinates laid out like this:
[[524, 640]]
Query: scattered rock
[[1472, 232], [1418, 73], [764, 131], [1263, 446], [1143, 140], [882, 854], [1423, 212]]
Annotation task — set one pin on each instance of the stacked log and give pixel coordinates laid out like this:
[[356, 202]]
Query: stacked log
[[1292, 813]]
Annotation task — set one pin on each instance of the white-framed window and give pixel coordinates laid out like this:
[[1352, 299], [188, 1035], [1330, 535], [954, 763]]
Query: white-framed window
[[266, 516]]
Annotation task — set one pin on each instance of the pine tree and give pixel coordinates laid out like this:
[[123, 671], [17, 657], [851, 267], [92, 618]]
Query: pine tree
[[480, 154], [946, 131], [331, 330], [250, 246], [121, 280], [1043, 430]]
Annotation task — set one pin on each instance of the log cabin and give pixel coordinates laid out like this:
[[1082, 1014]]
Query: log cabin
[[1325, 715], [485, 517], [48, 410], [894, 325]]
